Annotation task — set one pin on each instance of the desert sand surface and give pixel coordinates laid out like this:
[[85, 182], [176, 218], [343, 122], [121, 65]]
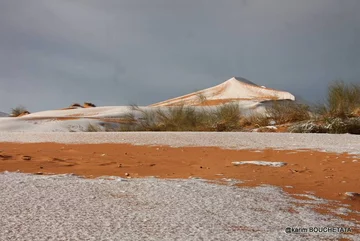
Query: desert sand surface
[[328, 175], [210, 194]]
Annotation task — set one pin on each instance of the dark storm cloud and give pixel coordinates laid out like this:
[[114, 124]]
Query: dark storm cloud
[[116, 52]]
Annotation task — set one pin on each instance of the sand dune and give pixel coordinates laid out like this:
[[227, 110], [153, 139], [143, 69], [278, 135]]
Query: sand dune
[[234, 89], [250, 97]]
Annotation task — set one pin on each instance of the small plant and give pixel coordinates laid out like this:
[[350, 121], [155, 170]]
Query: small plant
[[183, 118], [228, 117], [19, 110], [328, 125], [342, 99], [202, 98], [288, 111], [308, 127], [93, 128], [255, 119]]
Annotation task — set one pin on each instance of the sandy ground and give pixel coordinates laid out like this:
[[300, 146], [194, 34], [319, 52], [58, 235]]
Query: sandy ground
[[309, 174]]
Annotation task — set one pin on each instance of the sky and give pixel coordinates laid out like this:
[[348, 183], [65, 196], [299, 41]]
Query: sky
[[118, 52]]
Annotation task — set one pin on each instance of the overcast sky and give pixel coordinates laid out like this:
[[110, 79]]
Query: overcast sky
[[117, 52]]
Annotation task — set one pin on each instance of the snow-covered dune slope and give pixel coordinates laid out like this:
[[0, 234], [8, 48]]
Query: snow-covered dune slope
[[234, 89], [64, 120]]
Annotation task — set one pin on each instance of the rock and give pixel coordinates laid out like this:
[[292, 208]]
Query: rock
[[76, 105], [88, 105], [26, 158], [127, 174], [272, 122]]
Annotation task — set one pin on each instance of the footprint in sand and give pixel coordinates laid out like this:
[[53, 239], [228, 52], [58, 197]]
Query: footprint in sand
[[5, 157]]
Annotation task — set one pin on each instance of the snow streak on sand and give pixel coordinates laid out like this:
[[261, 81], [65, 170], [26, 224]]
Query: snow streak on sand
[[260, 163], [65, 207]]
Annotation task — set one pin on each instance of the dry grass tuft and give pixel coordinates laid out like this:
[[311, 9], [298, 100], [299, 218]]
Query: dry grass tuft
[[342, 100], [288, 111], [19, 111]]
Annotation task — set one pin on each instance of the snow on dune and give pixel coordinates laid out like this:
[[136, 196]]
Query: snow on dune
[[250, 97], [105, 111], [45, 125], [235, 88]]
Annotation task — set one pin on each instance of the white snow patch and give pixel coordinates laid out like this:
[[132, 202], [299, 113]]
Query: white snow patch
[[260, 163], [172, 209]]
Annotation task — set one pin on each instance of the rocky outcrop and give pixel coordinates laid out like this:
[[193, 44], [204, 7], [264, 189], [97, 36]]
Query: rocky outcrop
[[76, 105], [88, 105]]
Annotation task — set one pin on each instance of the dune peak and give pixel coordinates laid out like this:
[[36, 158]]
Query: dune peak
[[233, 89]]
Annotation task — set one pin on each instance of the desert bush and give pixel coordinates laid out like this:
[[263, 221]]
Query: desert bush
[[93, 128], [288, 111], [179, 118], [340, 126], [229, 113], [353, 125], [342, 99], [15, 112], [255, 119], [307, 127], [329, 125], [184, 118]]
